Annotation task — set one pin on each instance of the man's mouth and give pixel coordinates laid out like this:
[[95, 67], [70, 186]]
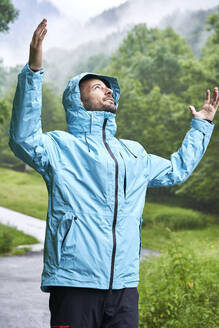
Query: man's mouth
[[111, 99]]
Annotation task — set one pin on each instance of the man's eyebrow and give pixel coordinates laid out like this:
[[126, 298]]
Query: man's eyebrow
[[97, 83]]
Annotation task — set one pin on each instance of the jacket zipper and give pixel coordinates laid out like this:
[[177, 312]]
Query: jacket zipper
[[116, 204]]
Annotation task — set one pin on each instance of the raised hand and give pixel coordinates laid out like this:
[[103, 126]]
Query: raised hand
[[209, 108], [35, 56]]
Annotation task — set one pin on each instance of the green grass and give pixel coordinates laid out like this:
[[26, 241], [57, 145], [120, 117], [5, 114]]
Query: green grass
[[180, 289], [157, 236], [10, 238], [23, 192]]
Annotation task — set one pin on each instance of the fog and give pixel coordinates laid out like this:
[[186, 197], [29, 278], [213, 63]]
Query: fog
[[72, 23]]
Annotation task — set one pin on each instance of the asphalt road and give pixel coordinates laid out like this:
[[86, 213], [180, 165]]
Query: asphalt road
[[22, 303]]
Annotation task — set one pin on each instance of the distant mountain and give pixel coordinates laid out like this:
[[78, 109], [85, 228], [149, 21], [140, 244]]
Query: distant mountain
[[191, 26], [144, 11]]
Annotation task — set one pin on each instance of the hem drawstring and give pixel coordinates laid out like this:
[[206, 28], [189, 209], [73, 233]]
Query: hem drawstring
[[87, 142]]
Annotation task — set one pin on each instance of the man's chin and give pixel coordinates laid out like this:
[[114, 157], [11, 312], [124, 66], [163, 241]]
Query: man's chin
[[111, 109]]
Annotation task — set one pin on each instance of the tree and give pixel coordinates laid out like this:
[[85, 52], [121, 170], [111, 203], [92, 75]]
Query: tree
[[7, 14], [4, 110], [53, 117], [213, 25]]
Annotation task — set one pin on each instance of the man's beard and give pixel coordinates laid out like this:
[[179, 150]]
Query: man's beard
[[106, 107]]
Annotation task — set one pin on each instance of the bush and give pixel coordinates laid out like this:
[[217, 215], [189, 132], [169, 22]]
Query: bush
[[182, 220], [6, 241], [179, 290], [175, 218]]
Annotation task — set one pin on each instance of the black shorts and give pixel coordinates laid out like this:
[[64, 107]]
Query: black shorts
[[73, 307]]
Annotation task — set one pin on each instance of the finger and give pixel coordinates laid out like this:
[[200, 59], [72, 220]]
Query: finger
[[192, 110], [215, 95], [43, 34], [207, 98], [217, 102], [40, 27]]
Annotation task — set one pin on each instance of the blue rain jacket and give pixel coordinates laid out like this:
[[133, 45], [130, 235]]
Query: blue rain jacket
[[96, 185]]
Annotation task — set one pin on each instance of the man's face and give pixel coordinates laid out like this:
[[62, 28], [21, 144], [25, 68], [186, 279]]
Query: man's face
[[96, 96]]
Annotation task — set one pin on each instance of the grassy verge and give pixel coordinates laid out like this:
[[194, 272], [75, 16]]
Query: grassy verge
[[156, 235], [181, 288], [10, 238], [23, 192]]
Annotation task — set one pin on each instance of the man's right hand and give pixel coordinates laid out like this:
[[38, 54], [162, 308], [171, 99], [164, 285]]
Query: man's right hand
[[35, 56]]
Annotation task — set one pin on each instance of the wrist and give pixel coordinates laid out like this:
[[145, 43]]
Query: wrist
[[34, 68]]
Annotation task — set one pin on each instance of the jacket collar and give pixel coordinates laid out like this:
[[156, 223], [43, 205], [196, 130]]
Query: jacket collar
[[91, 122]]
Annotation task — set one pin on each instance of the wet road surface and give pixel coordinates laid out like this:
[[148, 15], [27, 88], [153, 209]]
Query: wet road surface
[[22, 303]]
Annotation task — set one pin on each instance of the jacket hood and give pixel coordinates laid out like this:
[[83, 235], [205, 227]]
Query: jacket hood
[[78, 119]]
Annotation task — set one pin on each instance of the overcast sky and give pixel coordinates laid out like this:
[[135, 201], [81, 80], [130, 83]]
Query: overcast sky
[[84, 8]]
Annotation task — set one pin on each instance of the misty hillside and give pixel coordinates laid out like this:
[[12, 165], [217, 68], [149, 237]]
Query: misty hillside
[[144, 11], [90, 56], [190, 25]]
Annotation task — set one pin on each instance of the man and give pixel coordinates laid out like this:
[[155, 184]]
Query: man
[[97, 186]]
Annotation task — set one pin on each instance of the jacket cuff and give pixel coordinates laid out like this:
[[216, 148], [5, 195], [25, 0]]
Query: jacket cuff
[[202, 125], [27, 70]]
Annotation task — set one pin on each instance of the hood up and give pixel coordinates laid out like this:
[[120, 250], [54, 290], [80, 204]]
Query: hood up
[[78, 119]]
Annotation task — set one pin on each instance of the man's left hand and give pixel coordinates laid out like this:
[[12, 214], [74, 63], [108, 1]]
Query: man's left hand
[[209, 108]]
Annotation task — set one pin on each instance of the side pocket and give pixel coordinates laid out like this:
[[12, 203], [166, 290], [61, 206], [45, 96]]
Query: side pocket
[[67, 238], [140, 225]]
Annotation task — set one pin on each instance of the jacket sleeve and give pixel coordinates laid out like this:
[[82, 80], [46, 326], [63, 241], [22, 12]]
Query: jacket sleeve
[[26, 139], [163, 172]]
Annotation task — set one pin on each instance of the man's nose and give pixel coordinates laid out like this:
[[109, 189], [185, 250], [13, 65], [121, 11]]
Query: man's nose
[[109, 91]]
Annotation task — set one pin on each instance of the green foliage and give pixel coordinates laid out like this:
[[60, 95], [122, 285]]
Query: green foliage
[[10, 238], [4, 110], [154, 57], [93, 64], [53, 114], [179, 290], [158, 76], [156, 236], [213, 24], [178, 220], [7, 14], [203, 186], [6, 239], [172, 217]]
